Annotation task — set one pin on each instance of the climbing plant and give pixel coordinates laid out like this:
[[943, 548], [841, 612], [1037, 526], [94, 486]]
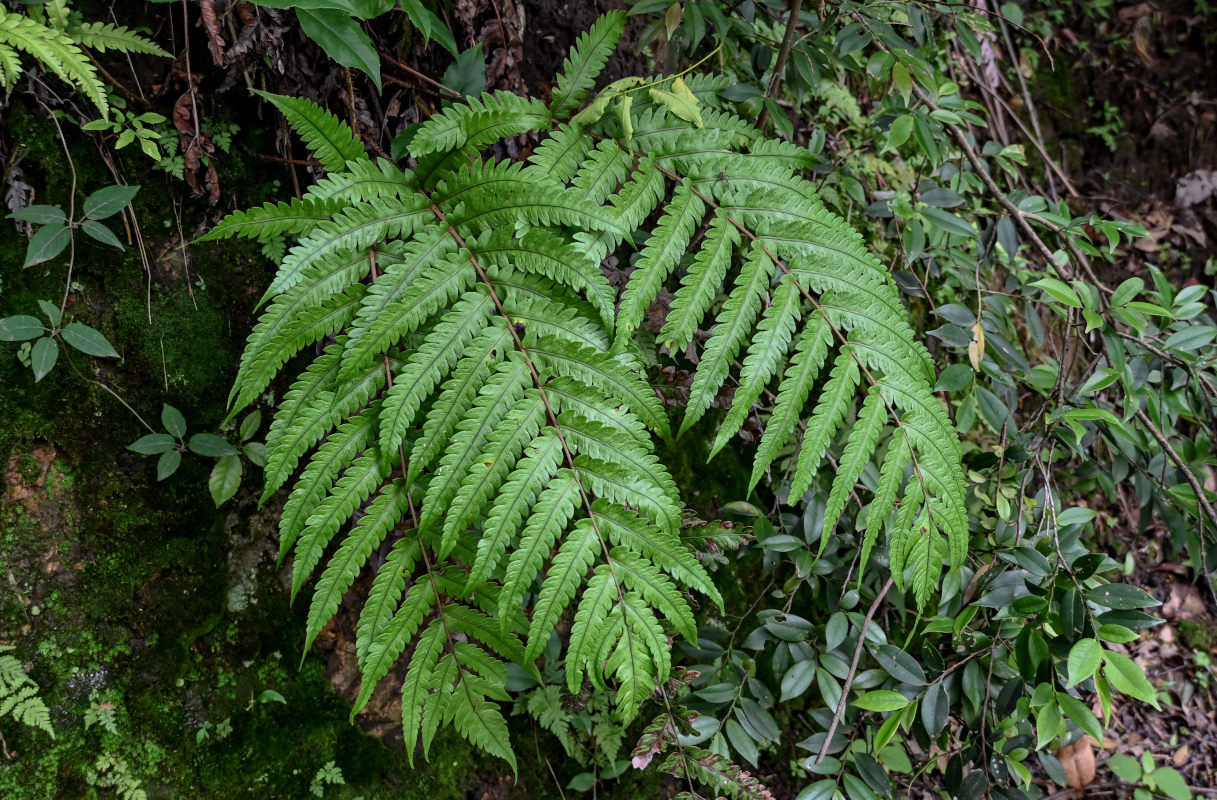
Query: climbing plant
[[480, 402]]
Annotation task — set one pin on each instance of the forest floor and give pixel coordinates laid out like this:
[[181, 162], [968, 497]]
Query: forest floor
[[159, 628]]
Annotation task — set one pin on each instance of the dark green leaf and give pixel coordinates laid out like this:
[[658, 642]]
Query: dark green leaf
[[935, 707], [467, 74], [342, 38], [20, 328], [210, 445], [43, 356], [167, 464], [88, 340], [40, 215], [225, 479], [431, 26], [108, 201], [153, 444], [173, 420], [47, 243], [101, 233], [1121, 597]]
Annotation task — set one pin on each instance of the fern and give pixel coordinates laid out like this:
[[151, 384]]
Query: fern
[[19, 698], [56, 44], [479, 405]]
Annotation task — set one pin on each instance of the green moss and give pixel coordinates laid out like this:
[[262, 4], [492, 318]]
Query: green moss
[[1198, 636]]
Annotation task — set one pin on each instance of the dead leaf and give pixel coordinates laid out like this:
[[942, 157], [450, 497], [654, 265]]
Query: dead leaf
[[1078, 761], [1180, 756]]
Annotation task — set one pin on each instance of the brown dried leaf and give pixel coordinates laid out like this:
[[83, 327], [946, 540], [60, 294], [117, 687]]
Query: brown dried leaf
[[1078, 761]]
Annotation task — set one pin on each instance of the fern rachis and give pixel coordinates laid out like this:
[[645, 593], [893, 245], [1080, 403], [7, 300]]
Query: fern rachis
[[481, 393]]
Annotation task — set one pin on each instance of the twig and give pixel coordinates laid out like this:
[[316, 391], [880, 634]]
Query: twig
[[780, 65], [853, 670], [412, 72]]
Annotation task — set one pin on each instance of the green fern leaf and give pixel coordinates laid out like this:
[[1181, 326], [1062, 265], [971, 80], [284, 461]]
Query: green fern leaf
[[604, 371], [640, 576], [355, 486], [801, 374], [587, 58], [549, 518], [700, 285], [825, 419], [662, 252], [458, 395], [56, 51], [340, 450], [478, 123], [382, 515], [496, 398], [274, 219], [598, 600], [102, 36], [734, 323], [558, 157], [768, 346], [489, 470], [863, 440], [627, 529], [415, 688], [886, 493], [331, 140], [517, 495], [428, 364], [385, 595], [574, 559]]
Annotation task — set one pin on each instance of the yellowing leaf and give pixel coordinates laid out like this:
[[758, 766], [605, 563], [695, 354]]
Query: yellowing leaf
[[683, 105], [976, 347]]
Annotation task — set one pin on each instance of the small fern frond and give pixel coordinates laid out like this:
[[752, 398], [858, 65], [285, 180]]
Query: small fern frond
[[297, 217], [477, 123], [102, 36], [19, 698], [585, 62], [56, 51], [663, 250], [331, 140]]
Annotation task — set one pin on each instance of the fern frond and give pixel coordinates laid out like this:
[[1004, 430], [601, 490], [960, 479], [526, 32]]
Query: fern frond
[[363, 180], [474, 292], [355, 229], [382, 515], [497, 397], [549, 517], [458, 395], [330, 139], [575, 557], [886, 492], [829, 412], [604, 371], [517, 495], [102, 36], [801, 374], [476, 123], [19, 698], [700, 285], [355, 486], [385, 595], [734, 324], [284, 330], [863, 440], [299, 216], [338, 451], [662, 252], [768, 346], [587, 58], [560, 155], [56, 51], [429, 364]]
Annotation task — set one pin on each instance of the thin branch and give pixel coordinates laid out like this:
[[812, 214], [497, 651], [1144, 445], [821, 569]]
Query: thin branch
[[780, 65], [853, 670]]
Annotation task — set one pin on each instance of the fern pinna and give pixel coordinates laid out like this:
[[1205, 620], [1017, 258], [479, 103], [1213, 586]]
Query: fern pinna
[[480, 407]]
